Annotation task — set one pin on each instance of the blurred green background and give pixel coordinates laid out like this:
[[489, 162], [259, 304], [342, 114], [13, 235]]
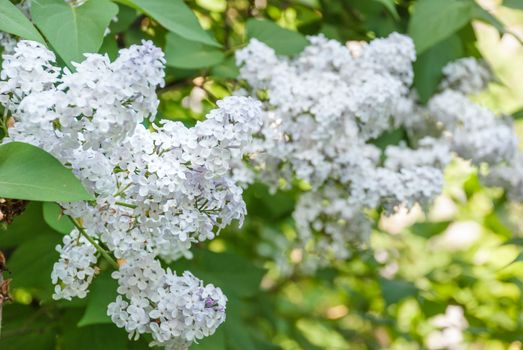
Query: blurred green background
[[466, 251]]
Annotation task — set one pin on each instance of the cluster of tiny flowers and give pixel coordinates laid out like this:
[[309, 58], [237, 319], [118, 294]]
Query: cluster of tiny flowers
[[473, 131], [324, 108], [449, 330], [467, 75], [175, 310], [73, 272], [508, 176], [158, 189], [7, 42], [327, 212], [324, 113]]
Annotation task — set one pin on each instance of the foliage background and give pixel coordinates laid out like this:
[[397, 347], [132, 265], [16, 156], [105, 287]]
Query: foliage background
[[466, 250]]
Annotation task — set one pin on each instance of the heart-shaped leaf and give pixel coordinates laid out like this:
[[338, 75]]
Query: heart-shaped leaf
[[55, 218], [28, 172], [103, 292], [13, 21], [182, 53], [283, 41], [176, 16], [73, 31], [435, 20]]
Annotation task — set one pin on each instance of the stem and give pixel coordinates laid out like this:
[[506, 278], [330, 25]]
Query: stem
[[127, 205], [120, 192], [212, 97], [227, 26], [102, 251], [4, 124]]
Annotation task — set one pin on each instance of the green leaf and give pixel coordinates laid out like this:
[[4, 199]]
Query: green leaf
[[305, 344], [96, 337], [391, 7], [73, 31], [263, 344], [513, 4], [182, 53], [175, 16], [472, 185], [429, 229], [435, 20], [25, 227], [54, 217], [13, 21], [518, 283], [269, 206], [514, 241], [102, 293], [392, 137], [109, 47], [213, 342], [28, 172], [226, 69], [232, 273], [518, 258], [494, 222], [93, 337], [126, 17], [238, 338], [396, 290], [519, 114], [431, 308], [237, 334], [36, 333], [32, 262], [283, 41], [428, 67], [483, 15]]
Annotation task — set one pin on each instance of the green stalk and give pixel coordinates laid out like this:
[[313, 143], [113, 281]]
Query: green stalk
[[127, 205], [4, 122], [102, 251]]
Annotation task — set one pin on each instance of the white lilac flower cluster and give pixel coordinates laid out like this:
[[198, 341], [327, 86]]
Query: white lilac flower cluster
[[509, 176], [325, 111], [176, 310], [448, 332], [74, 271], [467, 75], [158, 189], [328, 212], [474, 132], [7, 42]]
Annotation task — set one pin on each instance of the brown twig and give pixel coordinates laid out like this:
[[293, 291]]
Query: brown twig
[[2, 268], [4, 287]]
